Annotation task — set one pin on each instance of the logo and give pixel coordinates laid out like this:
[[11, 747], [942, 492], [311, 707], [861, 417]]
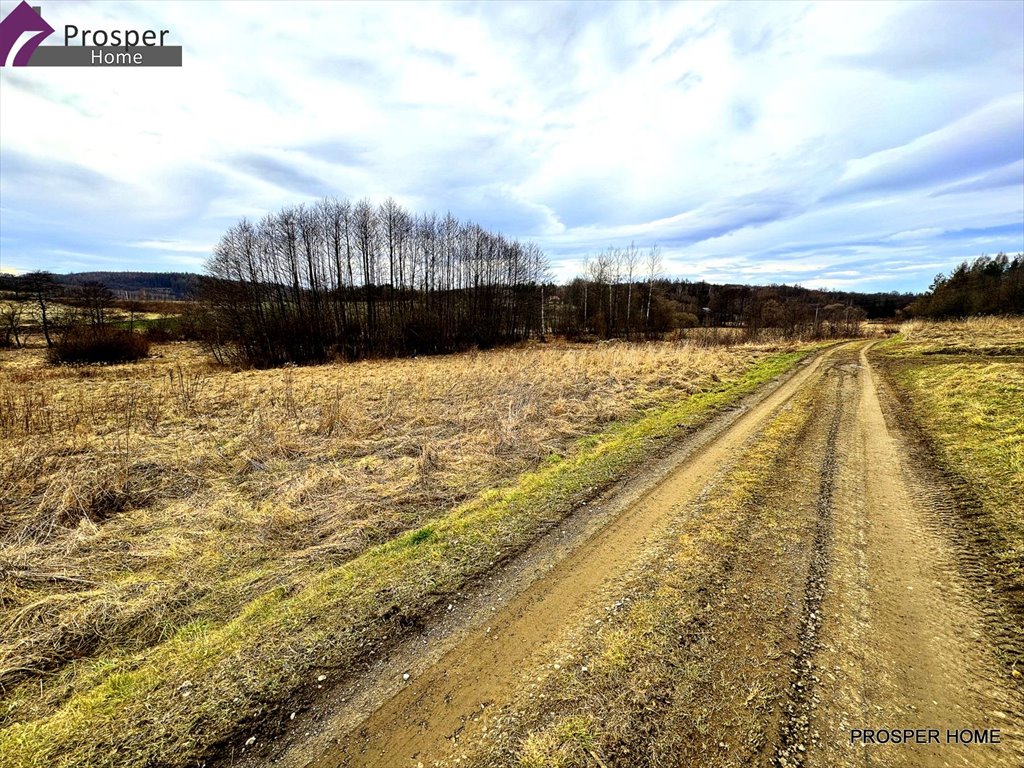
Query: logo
[[21, 21], [24, 28]]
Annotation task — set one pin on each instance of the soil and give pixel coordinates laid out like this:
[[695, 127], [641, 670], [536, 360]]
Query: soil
[[909, 640]]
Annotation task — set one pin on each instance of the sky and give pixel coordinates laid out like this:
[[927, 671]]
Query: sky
[[864, 146]]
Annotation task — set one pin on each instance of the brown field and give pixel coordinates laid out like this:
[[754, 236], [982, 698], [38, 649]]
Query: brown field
[[191, 557], [143, 503]]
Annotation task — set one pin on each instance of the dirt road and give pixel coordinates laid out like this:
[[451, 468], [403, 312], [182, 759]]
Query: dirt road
[[861, 619], [906, 640]]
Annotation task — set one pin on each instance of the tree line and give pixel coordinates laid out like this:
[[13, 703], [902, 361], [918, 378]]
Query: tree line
[[343, 280], [622, 294], [76, 321], [177, 286], [985, 286], [351, 280]]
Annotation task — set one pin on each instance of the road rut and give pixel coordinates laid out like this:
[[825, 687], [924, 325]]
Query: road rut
[[418, 723], [905, 643], [873, 625]]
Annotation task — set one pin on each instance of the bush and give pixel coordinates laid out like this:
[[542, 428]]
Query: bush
[[99, 345], [686, 320], [174, 328]]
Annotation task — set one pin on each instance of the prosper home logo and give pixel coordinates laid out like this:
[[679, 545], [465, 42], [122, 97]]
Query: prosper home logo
[[24, 28], [21, 22]]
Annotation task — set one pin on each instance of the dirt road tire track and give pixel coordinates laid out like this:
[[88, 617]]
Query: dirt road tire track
[[904, 642], [795, 734], [874, 624], [410, 723]]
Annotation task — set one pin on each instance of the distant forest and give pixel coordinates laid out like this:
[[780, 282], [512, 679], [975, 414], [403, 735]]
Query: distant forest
[[673, 304], [353, 280], [985, 286], [175, 286]]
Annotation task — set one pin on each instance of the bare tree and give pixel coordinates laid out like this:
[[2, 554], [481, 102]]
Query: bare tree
[[539, 273], [95, 298], [586, 285], [653, 264], [11, 314], [630, 261], [43, 288], [601, 270]]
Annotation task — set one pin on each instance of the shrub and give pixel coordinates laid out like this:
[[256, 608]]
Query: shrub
[[686, 320], [173, 328], [98, 345]]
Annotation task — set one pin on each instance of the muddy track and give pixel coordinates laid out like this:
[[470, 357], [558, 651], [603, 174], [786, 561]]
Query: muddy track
[[794, 732], [854, 613]]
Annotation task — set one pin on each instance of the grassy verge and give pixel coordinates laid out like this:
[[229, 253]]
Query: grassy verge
[[169, 704], [964, 386], [664, 677]]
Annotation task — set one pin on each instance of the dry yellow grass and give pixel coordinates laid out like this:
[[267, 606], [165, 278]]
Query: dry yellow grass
[[976, 335], [140, 501], [964, 384]]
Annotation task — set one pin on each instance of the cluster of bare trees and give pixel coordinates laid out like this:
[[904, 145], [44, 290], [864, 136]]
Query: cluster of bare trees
[[796, 319], [342, 279], [36, 301], [614, 297], [621, 294]]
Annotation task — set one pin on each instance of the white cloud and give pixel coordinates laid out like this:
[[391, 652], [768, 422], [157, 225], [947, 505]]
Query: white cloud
[[175, 246], [737, 135]]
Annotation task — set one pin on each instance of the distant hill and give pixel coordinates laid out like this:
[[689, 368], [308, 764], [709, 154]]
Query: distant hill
[[726, 302], [723, 303], [139, 285]]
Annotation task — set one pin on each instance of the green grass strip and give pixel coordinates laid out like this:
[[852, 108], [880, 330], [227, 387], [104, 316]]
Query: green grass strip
[[170, 704], [972, 410]]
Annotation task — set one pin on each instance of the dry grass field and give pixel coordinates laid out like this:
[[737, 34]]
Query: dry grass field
[[172, 533], [964, 385], [699, 655]]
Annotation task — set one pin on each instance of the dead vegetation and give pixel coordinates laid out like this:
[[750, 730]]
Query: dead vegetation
[[962, 385], [989, 336], [145, 501], [676, 667]]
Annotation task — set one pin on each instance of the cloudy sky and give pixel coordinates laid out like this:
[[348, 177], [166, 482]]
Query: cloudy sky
[[847, 145]]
